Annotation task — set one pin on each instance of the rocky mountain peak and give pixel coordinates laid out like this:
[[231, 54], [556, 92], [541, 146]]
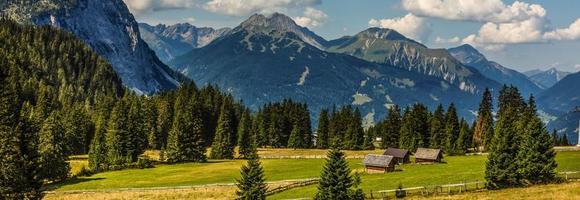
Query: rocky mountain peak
[[467, 54], [384, 33]]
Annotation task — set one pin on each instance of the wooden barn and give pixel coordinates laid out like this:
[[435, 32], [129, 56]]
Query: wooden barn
[[379, 163], [425, 155], [400, 155]]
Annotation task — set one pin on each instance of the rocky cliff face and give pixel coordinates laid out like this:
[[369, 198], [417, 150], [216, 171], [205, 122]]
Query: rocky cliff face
[[171, 41], [109, 29]]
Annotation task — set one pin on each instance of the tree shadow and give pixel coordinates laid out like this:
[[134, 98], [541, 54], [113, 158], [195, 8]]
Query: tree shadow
[[72, 181]]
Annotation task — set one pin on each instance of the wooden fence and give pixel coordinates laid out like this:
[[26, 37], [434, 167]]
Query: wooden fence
[[292, 185], [426, 190], [305, 157]]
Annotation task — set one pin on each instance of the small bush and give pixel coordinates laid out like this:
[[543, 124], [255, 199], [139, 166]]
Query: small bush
[[400, 193]]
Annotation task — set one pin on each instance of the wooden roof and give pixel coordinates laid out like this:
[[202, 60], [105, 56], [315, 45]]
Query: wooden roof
[[428, 154], [397, 153], [376, 160]]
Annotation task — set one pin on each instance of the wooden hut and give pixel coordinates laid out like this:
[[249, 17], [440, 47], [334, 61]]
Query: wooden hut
[[401, 155], [379, 163], [425, 155]]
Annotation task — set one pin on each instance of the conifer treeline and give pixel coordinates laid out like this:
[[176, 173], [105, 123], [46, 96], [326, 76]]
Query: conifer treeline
[[418, 127]]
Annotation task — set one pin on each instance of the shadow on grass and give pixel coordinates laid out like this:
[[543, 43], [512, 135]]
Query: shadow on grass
[[72, 181]]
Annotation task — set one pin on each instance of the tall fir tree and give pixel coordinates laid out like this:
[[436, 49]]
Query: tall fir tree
[[406, 139], [555, 140], [53, 150], [186, 140], [392, 129], [336, 181], [536, 156], [117, 138], [78, 130], [322, 141], [252, 184], [501, 170], [19, 166], [437, 128], [483, 132], [451, 130], [245, 137], [222, 147], [462, 142], [98, 148]]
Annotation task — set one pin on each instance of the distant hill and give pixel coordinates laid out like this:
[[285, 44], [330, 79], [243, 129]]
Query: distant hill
[[171, 41], [469, 56], [547, 78]]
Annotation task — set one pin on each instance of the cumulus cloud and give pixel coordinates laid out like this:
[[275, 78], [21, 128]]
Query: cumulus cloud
[[570, 33], [312, 18], [247, 7], [495, 35], [410, 25], [453, 40], [474, 10], [143, 6]]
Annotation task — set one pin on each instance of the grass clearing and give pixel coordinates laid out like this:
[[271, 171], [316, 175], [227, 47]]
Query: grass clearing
[[457, 169]]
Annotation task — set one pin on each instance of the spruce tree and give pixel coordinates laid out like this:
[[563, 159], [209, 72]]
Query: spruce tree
[[252, 184], [53, 153], [19, 167], [322, 141], [437, 128], [369, 140], [451, 130], [483, 132], [406, 139], [185, 142], [222, 147], [536, 156], [501, 170], [555, 140], [117, 139], [462, 142], [78, 130], [245, 138], [295, 140], [392, 130], [564, 141], [336, 181], [98, 148]]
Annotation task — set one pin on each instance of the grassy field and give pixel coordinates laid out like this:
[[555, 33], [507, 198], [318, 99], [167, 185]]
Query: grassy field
[[457, 169]]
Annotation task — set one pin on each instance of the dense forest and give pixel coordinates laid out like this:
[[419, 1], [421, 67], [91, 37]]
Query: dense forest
[[58, 99]]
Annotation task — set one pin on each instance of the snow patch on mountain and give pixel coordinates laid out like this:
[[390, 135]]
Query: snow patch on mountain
[[361, 99], [302, 79]]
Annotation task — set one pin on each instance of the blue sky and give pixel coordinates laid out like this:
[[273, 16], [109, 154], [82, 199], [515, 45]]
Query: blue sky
[[522, 35]]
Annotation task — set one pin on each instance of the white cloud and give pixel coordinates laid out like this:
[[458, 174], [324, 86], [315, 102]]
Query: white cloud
[[453, 40], [474, 10], [312, 18], [527, 31], [410, 25], [247, 7], [570, 33], [577, 66], [143, 6], [189, 19]]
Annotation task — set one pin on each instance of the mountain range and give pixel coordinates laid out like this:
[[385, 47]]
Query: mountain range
[[548, 78], [109, 29], [266, 58]]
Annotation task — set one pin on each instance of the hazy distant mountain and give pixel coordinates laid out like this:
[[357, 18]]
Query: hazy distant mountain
[[547, 78], [563, 96], [172, 41], [109, 29], [567, 124], [469, 56], [261, 61], [387, 46]]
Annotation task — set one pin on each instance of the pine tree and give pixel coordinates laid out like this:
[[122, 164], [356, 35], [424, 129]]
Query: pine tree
[[536, 157], [136, 132], [437, 128], [555, 141], [78, 130], [185, 142], [564, 141], [245, 138], [501, 170], [483, 132], [19, 173], [118, 135], [369, 141], [451, 130], [295, 140], [336, 181], [322, 141], [406, 139], [98, 148], [462, 142], [252, 184], [53, 153], [392, 130], [222, 147]]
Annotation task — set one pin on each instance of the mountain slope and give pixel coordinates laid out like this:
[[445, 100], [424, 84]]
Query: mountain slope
[[562, 97], [172, 41], [469, 56], [260, 62], [548, 78], [109, 29], [387, 46]]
